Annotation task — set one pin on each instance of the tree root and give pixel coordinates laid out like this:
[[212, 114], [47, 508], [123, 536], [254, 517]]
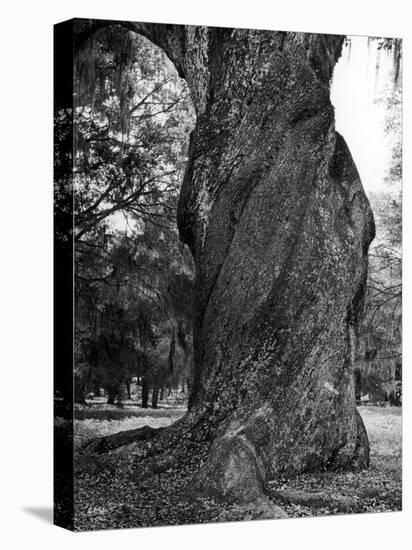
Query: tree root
[[107, 443], [234, 473], [361, 456], [233, 469]]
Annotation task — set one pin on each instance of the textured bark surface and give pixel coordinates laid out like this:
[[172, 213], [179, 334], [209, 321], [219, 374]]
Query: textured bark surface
[[275, 215]]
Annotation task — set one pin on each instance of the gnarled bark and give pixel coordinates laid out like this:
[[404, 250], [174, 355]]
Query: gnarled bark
[[274, 213]]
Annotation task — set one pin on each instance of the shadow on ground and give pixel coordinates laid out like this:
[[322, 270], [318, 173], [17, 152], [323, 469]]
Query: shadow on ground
[[42, 512]]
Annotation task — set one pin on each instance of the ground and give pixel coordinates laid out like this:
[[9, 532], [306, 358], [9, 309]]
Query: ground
[[106, 497]]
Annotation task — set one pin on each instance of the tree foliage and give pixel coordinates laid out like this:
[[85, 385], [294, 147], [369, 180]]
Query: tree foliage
[[133, 277], [380, 362]]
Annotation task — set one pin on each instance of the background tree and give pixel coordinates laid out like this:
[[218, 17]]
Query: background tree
[[133, 277], [379, 372]]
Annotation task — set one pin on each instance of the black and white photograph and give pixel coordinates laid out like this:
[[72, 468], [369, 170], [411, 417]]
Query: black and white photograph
[[205, 275], [237, 274]]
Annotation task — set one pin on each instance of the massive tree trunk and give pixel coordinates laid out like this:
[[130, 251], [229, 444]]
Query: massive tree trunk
[[275, 215]]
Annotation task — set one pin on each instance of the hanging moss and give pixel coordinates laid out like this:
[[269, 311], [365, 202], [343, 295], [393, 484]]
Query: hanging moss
[[85, 71], [348, 43], [377, 71], [106, 56], [393, 46], [397, 58]]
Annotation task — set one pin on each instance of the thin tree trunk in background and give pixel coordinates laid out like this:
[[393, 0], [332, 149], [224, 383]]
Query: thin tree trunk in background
[[112, 392], [162, 392], [145, 392], [127, 383], [155, 396]]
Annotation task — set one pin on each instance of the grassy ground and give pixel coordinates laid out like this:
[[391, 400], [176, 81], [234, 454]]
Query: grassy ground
[[105, 420], [377, 489], [106, 498]]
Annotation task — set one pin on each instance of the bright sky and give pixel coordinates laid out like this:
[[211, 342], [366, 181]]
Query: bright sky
[[358, 118]]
